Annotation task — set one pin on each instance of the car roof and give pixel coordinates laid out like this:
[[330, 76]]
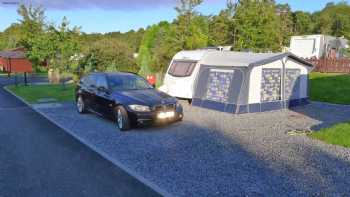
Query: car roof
[[111, 74]]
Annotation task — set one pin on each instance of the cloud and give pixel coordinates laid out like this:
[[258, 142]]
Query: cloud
[[102, 4]]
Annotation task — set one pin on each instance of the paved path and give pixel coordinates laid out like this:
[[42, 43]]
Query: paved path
[[39, 159]]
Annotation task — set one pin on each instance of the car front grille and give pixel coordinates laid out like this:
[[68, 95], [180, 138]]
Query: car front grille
[[167, 107]]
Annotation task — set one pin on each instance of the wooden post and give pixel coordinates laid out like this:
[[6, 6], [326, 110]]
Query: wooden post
[[25, 79], [9, 68], [16, 83]]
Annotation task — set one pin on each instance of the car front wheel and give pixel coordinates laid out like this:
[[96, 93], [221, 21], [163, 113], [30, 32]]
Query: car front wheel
[[122, 119], [81, 107]]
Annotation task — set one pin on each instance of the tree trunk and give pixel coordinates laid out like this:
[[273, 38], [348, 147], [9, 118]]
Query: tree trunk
[[54, 76]]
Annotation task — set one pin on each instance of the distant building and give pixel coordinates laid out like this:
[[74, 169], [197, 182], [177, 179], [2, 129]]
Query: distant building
[[14, 61], [318, 46]]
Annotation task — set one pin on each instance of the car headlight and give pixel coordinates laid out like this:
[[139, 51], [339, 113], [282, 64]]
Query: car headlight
[[140, 108]]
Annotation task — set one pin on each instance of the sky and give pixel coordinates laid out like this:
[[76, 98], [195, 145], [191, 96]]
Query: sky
[[123, 15]]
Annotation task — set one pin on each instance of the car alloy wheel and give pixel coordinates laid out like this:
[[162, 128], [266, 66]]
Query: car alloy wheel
[[80, 105], [122, 119]]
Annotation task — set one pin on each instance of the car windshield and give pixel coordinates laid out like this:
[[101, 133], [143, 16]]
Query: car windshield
[[128, 82]]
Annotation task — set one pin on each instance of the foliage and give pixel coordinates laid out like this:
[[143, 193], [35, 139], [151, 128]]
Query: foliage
[[303, 23], [285, 19], [56, 46], [247, 25], [257, 26], [334, 19], [221, 29], [10, 37], [107, 55], [32, 94], [46, 43], [145, 56], [160, 42]]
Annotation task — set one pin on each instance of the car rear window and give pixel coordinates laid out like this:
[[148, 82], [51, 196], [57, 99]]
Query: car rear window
[[182, 68]]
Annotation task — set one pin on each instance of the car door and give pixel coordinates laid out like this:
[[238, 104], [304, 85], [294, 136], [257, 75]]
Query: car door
[[91, 91], [85, 90], [104, 102]]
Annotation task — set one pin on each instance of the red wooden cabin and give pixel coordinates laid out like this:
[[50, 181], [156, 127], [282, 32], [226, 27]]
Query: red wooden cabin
[[14, 61]]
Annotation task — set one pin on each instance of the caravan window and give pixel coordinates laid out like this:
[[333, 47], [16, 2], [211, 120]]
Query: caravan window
[[182, 68]]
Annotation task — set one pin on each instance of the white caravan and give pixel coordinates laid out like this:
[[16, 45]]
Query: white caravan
[[182, 72], [318, 46]]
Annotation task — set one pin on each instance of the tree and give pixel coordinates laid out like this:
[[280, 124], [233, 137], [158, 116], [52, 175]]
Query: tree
[[187, 7], [219, 29], [32, 23], [145, 53], [257, 26], [108, 54], [285, 18], [11, 37], [334, 19], [160, 42], [190, 28], [303, 23], [56, 46]]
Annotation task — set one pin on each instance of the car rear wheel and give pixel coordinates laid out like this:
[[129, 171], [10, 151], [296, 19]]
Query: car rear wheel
[[122, 119], [81, 105]]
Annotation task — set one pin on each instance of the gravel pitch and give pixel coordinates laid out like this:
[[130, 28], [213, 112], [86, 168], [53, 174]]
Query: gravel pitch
[[218, 154]]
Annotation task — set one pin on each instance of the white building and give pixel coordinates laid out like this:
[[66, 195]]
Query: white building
[[318, 46]]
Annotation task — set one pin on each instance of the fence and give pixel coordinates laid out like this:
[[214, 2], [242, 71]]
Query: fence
[[331, 65]]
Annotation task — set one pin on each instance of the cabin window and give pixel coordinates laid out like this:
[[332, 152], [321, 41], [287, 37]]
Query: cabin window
[[182, 68], [271, 85]]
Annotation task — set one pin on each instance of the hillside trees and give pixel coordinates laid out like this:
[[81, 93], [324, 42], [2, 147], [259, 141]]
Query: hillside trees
[[247, 25], [334, 19]]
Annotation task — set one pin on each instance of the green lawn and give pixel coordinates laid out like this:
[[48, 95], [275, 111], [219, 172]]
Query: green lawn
[[330, 87], [35, 92], [337, 135]]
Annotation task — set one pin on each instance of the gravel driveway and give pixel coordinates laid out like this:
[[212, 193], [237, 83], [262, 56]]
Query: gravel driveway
[[218, 154]]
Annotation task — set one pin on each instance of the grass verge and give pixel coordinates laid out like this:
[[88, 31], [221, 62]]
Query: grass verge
[[337, 135], [330, 87], [35, 92]]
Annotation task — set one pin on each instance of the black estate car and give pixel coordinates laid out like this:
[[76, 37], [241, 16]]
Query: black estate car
[[126, 98]]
